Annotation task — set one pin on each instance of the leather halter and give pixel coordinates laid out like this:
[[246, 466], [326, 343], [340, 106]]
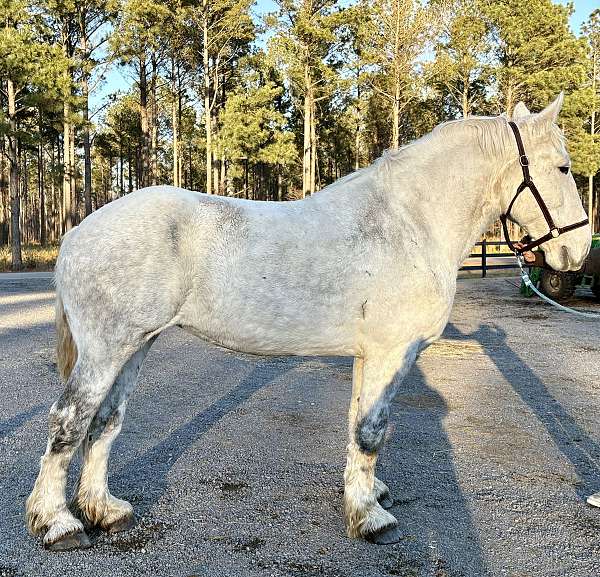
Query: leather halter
[[528, 183]]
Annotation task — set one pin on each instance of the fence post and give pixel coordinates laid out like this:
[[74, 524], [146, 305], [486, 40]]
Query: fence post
[[483, 258]]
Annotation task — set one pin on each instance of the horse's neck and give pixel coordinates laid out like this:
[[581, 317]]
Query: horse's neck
[[451, 190]]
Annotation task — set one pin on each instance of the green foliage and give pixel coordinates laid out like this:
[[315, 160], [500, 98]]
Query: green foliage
[[35, 66], [461, 70], [253, 129], [537, 55], [305, 42], [141, 25], [585, 153]]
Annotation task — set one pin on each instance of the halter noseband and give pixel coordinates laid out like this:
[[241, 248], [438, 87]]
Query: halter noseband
[[528, 183]]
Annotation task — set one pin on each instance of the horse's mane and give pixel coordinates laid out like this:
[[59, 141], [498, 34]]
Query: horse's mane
[[491, 134]]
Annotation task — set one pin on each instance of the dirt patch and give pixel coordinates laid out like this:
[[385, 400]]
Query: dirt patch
[[418, 401], [138, 538], [232, 487], [441, 570], [301, 568], [535, 317], [8, 571], [587, 349], [452, 348], [404, 567], [249, 546]]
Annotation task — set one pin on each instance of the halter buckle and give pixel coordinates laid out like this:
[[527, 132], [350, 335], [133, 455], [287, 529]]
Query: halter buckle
[[524, 161], [555, 233]]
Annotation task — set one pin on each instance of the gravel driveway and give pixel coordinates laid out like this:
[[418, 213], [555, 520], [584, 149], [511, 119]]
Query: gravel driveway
[[234, 463]]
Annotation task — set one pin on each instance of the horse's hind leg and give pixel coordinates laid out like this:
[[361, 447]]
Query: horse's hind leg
[[92, 499], [365, 517], [381, 490], [70, 416]]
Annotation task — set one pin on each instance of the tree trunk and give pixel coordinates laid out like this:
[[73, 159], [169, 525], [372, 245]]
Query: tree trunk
[[74, 197], [175, 124], [308, 108], [53, 195], [592, 132], [395, 142], [67, 204], [207, 111], [143, 169], [87, 148], [13, 180], [223, 179], [26, 204], [215, 176], [313, 148], [120, 177], [67, 208], [41, 191], [3, 195], [397, 82], [279, 184], [129, 169], [358, 122], [154, 122]]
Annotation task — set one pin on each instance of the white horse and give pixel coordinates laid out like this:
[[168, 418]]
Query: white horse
[[366, 267]]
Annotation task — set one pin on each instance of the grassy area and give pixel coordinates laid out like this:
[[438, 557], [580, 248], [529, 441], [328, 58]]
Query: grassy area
[[35, 257]]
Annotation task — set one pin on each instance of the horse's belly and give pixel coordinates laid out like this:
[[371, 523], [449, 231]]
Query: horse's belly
[[265, 330]]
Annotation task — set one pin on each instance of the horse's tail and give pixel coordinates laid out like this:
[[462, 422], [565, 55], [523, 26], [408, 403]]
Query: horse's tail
[[66, 349]]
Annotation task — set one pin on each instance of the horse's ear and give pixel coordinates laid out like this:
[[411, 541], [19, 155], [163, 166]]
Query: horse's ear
[[520, 111], [550, 114]]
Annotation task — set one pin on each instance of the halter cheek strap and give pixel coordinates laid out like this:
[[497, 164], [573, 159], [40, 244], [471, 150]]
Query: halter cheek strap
[[527, 182]]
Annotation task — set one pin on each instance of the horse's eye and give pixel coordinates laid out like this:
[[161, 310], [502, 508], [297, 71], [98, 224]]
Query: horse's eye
[[564, 169]]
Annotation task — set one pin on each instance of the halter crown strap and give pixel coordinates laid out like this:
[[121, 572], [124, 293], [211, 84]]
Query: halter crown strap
[[528, 183], [523, 159]]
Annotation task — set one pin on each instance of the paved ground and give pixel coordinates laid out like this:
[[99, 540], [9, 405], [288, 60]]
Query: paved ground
[[234, 464]]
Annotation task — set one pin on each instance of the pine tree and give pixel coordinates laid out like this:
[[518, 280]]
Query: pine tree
[[138, 42], [460, 69], [537, 55], [253, 130], [401, 28], [588, 154], [304, 47], [33, 70]]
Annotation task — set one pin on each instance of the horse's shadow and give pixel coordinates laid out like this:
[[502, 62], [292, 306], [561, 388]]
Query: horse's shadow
[[16, 422], [154, 468], [574, 443], [417, 462]]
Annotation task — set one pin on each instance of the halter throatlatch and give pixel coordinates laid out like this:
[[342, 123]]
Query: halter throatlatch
[[528, 183]]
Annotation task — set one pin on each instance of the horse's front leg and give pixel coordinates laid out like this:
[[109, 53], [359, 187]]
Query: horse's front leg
[[365, 517], [381, 490]]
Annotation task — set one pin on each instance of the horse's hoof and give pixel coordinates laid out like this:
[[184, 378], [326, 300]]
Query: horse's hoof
[[386, 501], [78, 540], [385, 536], [123, 524]]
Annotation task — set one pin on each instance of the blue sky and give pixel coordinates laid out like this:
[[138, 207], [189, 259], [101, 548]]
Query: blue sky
[[118, 79], [583, 8]]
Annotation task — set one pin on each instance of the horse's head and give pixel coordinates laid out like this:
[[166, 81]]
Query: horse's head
[[549, 169]]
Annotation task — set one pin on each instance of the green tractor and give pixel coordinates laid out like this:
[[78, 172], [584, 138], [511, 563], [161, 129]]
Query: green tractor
[[561, 285]]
